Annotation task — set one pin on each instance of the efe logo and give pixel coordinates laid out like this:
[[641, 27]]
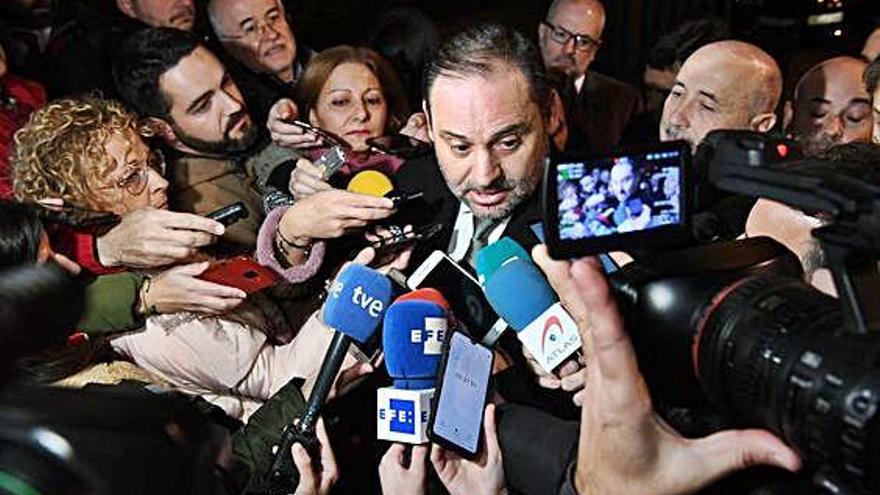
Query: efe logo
[[431, 336]]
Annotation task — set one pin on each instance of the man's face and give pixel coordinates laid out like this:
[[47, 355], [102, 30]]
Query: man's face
[[707, 95], [490, 139], [256, 33], [177, 14], [575, 19], [622, 181], [832, 107], [208, 113]]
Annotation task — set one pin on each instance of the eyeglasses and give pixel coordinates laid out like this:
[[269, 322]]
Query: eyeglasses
[[582, 42], [255, 30], [135, 181]]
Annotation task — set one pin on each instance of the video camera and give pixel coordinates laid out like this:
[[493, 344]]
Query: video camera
[[732, 327]]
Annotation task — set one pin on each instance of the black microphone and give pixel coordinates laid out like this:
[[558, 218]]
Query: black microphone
[[355, 307]]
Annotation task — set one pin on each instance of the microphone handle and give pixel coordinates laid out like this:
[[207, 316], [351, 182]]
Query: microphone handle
[[326, 377], [282, 475]]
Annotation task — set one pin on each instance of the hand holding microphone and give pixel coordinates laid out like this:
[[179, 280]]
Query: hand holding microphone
[[355, 306], [518, 291]]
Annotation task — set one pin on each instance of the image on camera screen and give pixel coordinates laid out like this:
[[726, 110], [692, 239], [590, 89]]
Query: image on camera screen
[[619, 195]]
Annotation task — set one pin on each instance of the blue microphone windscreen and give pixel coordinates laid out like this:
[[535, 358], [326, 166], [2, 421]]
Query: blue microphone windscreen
[[519, 293], [356, 302], [412, 338], [492, 257]]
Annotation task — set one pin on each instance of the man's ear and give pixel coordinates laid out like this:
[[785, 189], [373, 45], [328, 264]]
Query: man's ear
[[763, 122], [162, 130], [427, 111], [127, 8], [787, 115], [557, 113]]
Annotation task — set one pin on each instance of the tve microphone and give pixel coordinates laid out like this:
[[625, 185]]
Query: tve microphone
[[355, 306], [520, 294], [412, 340], [492, 257]]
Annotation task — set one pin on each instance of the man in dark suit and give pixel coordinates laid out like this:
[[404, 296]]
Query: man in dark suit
[[570, 36]]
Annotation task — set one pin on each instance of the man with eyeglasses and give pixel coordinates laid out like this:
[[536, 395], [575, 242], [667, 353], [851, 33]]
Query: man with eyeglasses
[[266, 59], [570, 37]]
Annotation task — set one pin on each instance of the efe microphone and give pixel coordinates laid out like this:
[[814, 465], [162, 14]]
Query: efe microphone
[[412, 339], [355, 306]]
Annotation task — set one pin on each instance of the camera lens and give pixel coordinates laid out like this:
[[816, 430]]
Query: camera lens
[[774, 353]]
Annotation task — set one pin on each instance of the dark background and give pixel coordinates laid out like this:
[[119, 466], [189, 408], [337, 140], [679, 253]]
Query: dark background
[[632, 28]]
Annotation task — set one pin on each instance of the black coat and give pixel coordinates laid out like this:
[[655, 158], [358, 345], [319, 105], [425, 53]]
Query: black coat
[[608, 106]]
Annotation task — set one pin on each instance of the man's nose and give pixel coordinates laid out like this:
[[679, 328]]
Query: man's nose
[[486, 169]]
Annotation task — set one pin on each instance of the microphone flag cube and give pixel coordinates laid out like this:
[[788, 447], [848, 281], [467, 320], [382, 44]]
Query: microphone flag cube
[[356, 302]]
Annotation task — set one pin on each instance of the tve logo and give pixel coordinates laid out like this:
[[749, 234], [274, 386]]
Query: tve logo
[[403, 416], [431, 336], [370, 304]]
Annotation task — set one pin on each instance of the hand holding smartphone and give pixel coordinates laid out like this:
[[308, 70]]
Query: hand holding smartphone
[[241, 272], [456, 421]]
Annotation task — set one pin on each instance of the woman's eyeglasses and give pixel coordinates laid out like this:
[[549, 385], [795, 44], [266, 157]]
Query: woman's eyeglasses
[[136, 179]]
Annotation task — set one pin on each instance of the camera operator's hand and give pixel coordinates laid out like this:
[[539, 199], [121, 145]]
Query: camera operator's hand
[[399, 479], [149, 238], [416, 127], [285, 133], [331, 214], [179, 289], [306, 179], [624, 447], [311, 482], [482, 476]]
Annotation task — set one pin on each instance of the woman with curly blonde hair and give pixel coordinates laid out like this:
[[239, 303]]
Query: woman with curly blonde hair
[[89, 152]]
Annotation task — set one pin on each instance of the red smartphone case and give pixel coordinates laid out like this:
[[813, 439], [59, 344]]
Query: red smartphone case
[[241, 272]]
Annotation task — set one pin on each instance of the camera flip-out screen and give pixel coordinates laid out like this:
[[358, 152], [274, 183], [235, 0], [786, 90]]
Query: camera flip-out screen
[[615, 202]]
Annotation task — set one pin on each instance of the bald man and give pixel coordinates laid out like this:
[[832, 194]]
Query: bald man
[[831, 106], [257, 35], [570, 37], [724, 85], [872, 84]]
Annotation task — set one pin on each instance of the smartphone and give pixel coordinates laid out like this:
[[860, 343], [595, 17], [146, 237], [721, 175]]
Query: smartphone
[[465, 296], [456, 421], [241, 272], [400, 145], [388, 244], [230, 214], [76, 217], [625, 200]]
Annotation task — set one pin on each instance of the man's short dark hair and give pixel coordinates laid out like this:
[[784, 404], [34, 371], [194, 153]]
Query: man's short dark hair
[[479, 49], [872, 77], [142, 60]]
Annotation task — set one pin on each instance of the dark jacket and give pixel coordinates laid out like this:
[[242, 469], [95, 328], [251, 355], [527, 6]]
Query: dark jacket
[[608, 107], [261, 91]]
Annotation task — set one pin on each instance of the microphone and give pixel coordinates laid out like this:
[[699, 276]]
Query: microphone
[[355, 306], [520, 294], [412, 340], [375, 183], [492, 257], [425, 294]]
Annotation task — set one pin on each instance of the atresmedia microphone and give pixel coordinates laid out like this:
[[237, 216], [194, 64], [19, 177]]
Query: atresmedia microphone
[[519, 293], [412, 339], [355, 306]]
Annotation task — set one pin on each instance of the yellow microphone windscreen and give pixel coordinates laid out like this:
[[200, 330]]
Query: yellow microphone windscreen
[[371, 182]]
